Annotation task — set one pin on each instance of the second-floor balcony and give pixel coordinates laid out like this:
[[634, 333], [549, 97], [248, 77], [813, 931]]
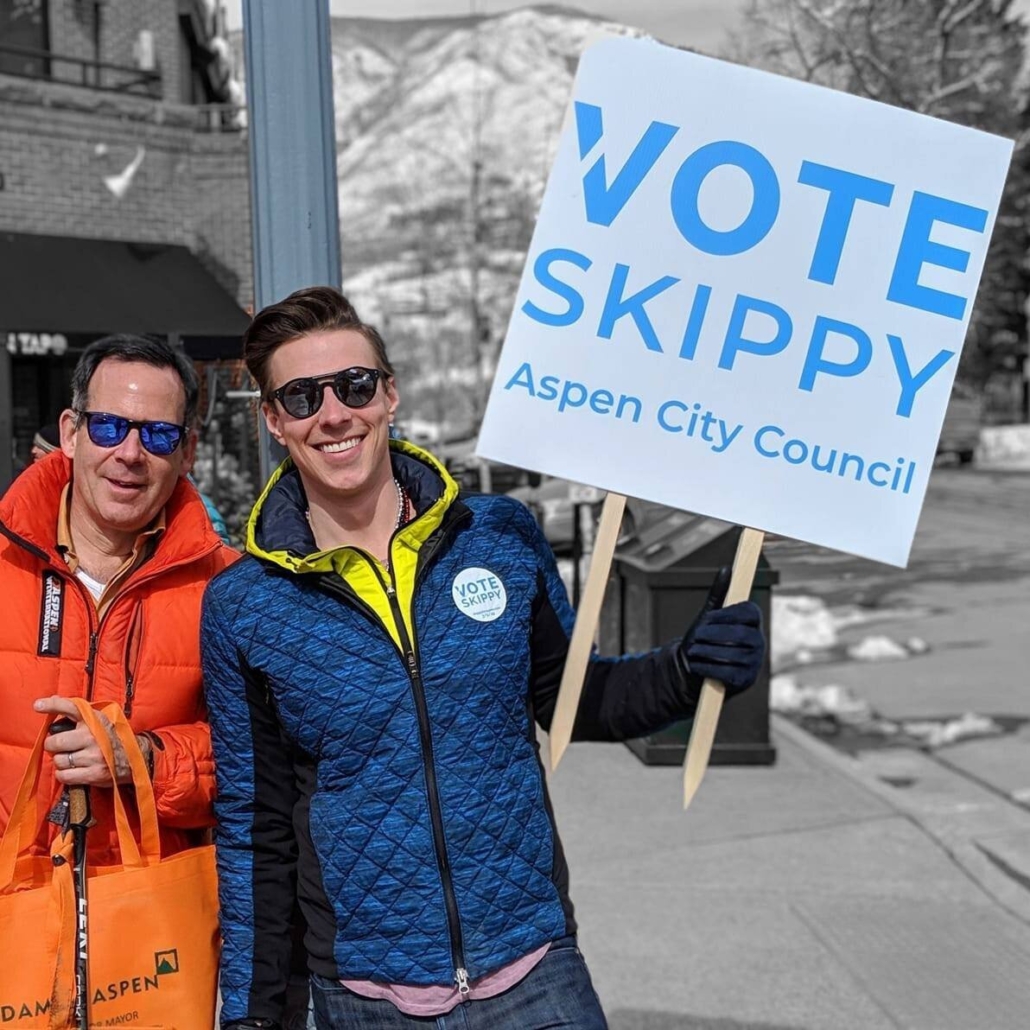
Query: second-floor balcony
[[32, 63], [61, 70]]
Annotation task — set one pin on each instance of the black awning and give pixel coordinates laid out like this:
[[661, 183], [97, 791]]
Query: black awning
[[67, 285]]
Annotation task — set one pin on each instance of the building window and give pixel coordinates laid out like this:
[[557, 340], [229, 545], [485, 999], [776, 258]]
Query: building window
[[24, 38]]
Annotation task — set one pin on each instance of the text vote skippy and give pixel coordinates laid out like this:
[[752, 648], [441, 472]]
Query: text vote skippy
[[746, 297]]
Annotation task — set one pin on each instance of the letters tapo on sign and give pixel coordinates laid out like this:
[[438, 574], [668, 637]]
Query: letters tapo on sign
[[746, 296]]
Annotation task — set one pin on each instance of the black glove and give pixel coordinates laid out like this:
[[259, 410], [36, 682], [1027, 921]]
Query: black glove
[[725, 644]]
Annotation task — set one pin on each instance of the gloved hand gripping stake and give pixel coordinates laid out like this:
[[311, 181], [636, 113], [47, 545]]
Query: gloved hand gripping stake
[[706, 717]]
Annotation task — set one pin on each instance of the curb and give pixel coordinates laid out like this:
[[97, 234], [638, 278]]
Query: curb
[[987, 836]]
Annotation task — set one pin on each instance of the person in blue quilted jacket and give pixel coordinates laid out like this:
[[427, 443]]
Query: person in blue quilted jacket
[[375, 670]]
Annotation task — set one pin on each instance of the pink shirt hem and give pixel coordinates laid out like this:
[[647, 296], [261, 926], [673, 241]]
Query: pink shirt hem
[[437, 1000]]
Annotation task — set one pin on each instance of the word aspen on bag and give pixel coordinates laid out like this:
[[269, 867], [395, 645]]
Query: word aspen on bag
[[153, 931]]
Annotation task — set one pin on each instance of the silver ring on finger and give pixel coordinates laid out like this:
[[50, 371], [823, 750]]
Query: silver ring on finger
[[71, 760]]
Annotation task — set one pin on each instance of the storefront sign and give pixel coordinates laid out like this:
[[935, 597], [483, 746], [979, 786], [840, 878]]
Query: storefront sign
[[36, 344]]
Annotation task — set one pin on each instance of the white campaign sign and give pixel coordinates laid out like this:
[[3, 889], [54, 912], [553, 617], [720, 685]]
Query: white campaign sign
[[746, 297]]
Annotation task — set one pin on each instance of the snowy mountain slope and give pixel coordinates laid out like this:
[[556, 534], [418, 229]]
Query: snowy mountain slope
[[493, 87], [446, 129]]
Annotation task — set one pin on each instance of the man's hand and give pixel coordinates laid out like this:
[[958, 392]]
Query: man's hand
[[725, 644], [77, 758]]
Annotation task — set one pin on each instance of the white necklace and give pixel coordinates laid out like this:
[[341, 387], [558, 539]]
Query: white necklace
[[402, 505], [402, 508]]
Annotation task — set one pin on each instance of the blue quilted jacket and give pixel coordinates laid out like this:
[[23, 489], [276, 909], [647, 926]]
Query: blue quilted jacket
[[375, 741]]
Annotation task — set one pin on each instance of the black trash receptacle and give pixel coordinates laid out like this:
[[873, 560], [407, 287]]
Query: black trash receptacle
[[660, 578]]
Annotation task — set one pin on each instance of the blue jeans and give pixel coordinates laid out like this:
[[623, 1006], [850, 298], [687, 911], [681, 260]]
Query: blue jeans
[[556, 995]]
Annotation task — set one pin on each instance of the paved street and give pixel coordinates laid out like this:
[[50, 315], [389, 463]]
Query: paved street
[[797, 897], [966, 592], [886, 890], [975, 526]]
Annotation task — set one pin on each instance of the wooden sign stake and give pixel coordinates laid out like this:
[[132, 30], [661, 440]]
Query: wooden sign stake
[[583, 632], [706, 718]]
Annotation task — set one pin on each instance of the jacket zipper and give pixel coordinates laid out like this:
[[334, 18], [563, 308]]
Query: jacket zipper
[[95, 628], [408, 656], [94, 632], [134, 644], [94, 636], [461, 978]]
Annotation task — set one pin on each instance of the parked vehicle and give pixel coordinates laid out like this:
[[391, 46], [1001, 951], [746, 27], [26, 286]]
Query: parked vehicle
[[551, 504], [479, 475], [960, 435], [554, 502]]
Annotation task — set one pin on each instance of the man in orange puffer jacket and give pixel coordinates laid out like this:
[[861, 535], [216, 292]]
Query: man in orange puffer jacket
[[104, 555]]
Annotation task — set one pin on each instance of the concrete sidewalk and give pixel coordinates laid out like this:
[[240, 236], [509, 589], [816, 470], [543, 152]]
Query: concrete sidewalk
[[812, 895]]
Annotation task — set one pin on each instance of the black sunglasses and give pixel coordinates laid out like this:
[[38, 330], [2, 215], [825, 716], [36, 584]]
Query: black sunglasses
[[160, 438], [354, 387]]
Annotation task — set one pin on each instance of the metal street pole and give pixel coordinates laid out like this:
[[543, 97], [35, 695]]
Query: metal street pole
[[294, 212], [6, 421]]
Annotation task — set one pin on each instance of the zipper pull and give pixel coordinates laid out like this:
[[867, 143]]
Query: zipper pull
[[412, 664], [130, 693], [92, 654], [461, 978]]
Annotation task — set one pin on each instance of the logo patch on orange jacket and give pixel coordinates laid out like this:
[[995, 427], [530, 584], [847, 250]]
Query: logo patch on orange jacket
[[51, 615]]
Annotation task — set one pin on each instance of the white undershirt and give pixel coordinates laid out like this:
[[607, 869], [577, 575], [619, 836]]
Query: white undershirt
[[94, 586]]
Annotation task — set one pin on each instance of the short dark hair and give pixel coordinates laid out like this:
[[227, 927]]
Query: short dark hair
[[315, 309], [150, 350]]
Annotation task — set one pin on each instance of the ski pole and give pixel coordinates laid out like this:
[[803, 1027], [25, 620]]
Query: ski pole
[[79, 821]]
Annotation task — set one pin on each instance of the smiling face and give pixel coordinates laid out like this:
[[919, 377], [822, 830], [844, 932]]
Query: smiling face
[[341, 453], [118, 491]]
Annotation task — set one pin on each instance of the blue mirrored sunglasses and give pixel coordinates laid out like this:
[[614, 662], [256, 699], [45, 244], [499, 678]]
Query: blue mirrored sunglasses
[[105, 430]]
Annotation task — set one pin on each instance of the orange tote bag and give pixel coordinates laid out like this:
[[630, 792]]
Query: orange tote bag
[[152, 921]]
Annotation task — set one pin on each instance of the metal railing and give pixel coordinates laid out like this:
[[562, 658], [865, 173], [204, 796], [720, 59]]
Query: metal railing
[[99, 75], [218, 117]]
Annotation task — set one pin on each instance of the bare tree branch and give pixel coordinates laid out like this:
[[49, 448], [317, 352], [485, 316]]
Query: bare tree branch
[[973, 81], [854, 58], [950, 18]]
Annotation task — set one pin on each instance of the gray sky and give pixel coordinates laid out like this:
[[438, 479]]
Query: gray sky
[[699, 23]]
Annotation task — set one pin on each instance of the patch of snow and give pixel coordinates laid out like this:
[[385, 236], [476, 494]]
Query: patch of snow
[[800, 623], [788, 696], [219, 45], [833, 701], [877, 649], [1004, 445], [806, 630], [935, 733]]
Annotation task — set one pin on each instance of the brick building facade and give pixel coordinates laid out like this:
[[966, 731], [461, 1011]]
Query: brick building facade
[[117, 123]]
